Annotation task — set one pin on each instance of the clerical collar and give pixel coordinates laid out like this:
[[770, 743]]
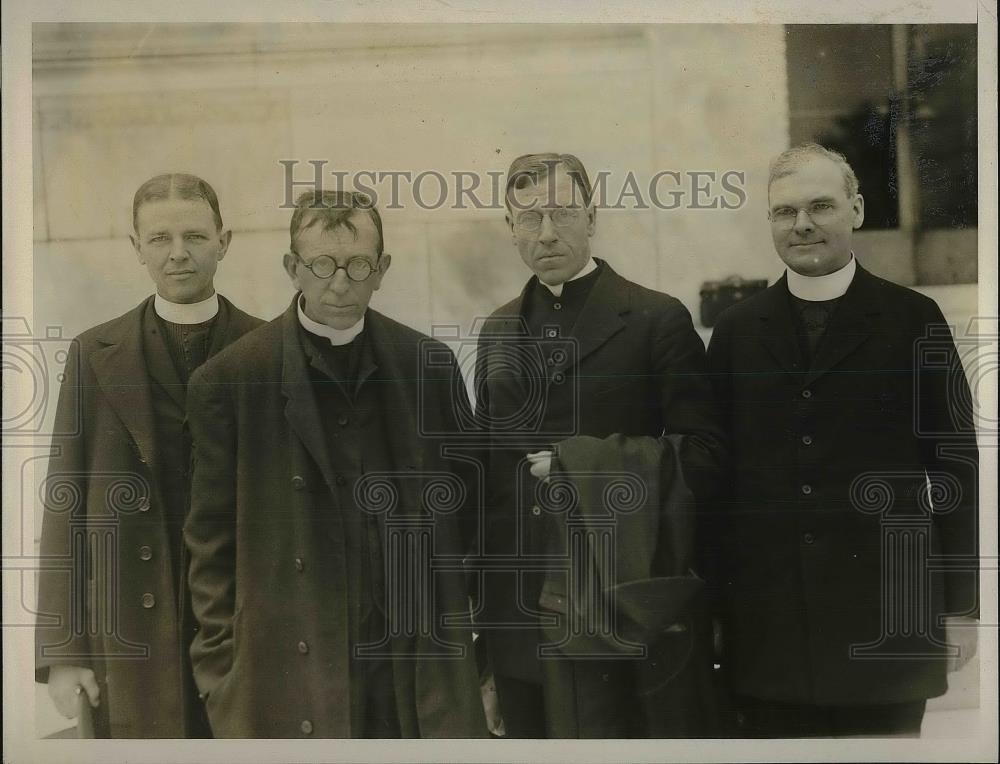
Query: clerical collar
[[590, 267], [337, 337], [186, 313], [820, 288]]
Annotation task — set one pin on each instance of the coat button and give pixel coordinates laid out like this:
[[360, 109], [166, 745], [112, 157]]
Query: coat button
[[299, 565], [808, 538], [298, 482], [536, 510], [148, 600], [344, 421], [341, 480], [807, 440], [306, 727], [303, 648], [807, 489], [807, 393], [145, 552], [557, 306]]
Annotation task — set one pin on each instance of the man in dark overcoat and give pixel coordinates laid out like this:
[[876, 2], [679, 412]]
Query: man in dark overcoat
[[326, 532], [848, 538], [587, 368], [114, 617]]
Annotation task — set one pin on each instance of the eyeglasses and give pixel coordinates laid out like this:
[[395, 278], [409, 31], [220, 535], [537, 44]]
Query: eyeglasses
[[531, 220], [325, 267], [818, 212]]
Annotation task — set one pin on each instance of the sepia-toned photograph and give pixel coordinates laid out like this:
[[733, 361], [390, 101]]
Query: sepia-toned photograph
[[500, 386]]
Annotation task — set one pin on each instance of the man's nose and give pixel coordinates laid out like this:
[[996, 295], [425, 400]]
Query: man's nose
[[339, 282], [547, 233], [802, 221], [178, 249]]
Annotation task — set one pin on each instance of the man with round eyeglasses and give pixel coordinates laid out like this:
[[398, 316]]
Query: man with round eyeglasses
[[308, 458], [615, 377]]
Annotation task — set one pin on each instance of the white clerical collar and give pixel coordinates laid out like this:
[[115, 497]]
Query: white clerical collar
[[820, 288], [186, 312], [336, 336], [590, 267]]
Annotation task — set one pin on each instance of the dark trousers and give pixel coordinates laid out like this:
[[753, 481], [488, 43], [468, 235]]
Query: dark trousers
[[756, 718], [668, 694]]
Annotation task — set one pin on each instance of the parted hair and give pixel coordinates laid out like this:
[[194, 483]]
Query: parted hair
[[175, 185], [531, 168]]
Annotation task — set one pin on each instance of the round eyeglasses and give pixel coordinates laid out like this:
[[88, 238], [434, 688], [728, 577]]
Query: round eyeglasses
[[325, 267], [531, 220]]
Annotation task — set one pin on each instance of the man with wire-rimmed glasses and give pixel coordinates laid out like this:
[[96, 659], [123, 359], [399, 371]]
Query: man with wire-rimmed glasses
[[615, 373], [307, 447]]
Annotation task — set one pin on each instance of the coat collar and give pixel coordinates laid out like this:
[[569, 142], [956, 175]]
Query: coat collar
[[122, 372], [599, 320], [120, 368], [851, 325]]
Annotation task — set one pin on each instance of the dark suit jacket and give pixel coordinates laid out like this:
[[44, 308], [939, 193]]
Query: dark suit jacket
[[827, 497], [268, 564], [117, 612], [636, 368]]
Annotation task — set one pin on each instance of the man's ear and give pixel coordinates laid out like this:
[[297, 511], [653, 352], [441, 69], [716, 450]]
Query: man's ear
[[291, 268], [384, 261], [591, 219], [138, 251], [859, 211], [510, 224], [225, 238]]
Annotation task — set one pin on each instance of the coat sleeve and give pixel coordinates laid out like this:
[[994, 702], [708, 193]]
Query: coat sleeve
[[948, 436], [687, 403], [210, 529], [60, 638], [711, 520]]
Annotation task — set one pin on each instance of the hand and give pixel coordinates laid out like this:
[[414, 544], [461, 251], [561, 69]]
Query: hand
[[65, 685], [541, 464], [964, 633]]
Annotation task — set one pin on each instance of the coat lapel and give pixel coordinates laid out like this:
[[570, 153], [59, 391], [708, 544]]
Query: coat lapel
[[778, 327], [851, 324], [159, 361], [397, 365], [600, 319], [301, 410], [120, 369]]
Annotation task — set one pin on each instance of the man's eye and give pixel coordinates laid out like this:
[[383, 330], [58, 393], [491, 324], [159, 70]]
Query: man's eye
[[158, 239], [197, 236], [784, 212], [821, 207]]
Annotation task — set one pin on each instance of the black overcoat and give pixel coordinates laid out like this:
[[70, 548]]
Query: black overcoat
[[268, 565], [834, 568], [632, 365], [107, 597]]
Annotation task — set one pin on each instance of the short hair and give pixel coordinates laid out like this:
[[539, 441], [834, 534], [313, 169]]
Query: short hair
[[789, 160], [332, 209], [531, 168], [175, 185]]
